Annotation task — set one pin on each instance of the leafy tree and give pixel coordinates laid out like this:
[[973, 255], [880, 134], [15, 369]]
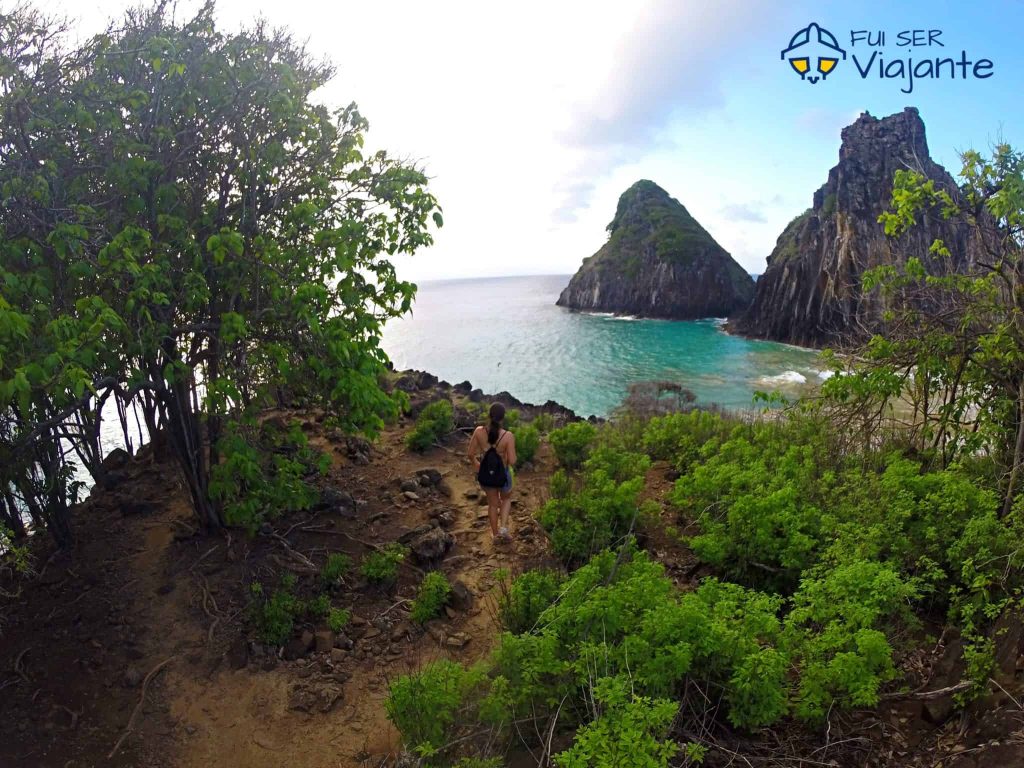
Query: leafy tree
[[187, 231], [955, 349]]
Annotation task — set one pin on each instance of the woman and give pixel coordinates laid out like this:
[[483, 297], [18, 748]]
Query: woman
[[497, 488]]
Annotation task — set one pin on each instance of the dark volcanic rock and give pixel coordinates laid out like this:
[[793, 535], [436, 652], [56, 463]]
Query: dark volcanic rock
[[658, 262], [811, 292]]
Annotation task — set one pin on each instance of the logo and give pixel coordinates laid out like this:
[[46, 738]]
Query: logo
[[813, 53]]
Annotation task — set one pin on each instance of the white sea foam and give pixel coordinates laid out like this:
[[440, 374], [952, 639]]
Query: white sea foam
[[625, 317], [787, 377], [826, 375]]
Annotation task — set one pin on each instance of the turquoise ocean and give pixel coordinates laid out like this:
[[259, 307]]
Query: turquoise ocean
[[507, 334]]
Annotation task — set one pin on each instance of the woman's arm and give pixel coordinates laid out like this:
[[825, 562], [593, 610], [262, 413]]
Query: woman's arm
[[511, 450], [472, 451]]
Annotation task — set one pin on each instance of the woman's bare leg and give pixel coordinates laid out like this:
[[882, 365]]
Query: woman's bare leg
[[506, 509], [493, 508]]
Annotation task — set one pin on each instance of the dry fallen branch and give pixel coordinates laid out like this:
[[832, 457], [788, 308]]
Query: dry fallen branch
[[963, 685]]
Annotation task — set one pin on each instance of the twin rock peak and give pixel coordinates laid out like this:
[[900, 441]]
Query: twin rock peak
[[660, 262]]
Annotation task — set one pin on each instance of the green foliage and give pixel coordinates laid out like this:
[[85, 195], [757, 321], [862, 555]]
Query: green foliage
[[381, 566], [318, 607], [337, 619], [200, 285], [521, 603], [425, 706], [572, 443], [828, 205], [630, 732], [527, 443], [598, 511], [434, 422], [274, 616], [682, 438], [262, 474], [336, 566], [543, 423], [511, 420], [431, 597]]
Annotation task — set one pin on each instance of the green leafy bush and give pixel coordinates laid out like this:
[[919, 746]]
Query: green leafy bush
[[511, 420], [274, 616], [431, 597], [381, 566], [543, 423], [338, 619], [630, 730], [426, 706], [318, 607], [336, 566], [584, 520], [521, 603], [435, 421], [572, 442], [682, 438], [527, 443], [262, 474]]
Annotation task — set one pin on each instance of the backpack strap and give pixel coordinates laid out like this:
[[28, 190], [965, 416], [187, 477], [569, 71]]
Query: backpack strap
[[495, 443]]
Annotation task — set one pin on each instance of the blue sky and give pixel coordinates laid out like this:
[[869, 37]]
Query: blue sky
[[532, 118]]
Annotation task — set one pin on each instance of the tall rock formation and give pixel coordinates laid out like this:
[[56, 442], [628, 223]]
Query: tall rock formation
[[811, 292], [658, 262]]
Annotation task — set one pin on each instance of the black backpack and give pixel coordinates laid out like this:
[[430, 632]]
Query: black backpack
[[492, 472]]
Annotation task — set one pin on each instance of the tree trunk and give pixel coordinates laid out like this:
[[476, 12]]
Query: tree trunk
[[1018, 454]]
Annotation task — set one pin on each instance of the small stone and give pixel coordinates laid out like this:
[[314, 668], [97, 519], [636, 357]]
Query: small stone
[[461, 596], [429, 478], [324, 640], [410, 486], [343, 642], [432, 545], [308, 641], [371, 633], [457, 640], [411, 496], [451, 614], [435, 630], [399, 632], [338, 655], [472, 494]]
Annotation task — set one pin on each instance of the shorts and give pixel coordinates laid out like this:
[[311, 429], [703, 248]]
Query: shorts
[[508, 482]]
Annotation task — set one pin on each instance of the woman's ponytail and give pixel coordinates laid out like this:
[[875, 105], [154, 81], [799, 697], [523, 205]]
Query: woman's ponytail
[[497, 413]]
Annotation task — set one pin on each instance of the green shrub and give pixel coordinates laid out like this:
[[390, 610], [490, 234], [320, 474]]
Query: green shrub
[[319, 606], [527, 443], [425, 706], [274, 617], [381, 566], [262, 472], [572, 442], [431, 597], [511, 420], [521, 603], [581, 521], [337, 619], [543, 423], [435, 421], [834, 633], [681, 438], [630, 730], [336, 566]]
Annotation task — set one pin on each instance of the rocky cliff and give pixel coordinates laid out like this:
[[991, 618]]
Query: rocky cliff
[[810, 293], [658, 262]]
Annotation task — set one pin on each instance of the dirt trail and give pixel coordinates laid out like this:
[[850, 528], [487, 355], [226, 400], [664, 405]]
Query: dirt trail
[[176, 606]]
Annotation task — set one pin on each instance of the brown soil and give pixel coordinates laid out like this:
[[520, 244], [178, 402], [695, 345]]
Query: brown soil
[[143, 596]]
